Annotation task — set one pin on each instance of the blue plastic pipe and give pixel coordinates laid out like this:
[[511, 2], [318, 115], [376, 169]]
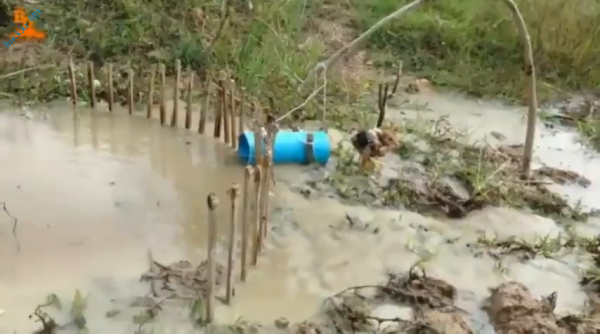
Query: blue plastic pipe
[[289, 147]]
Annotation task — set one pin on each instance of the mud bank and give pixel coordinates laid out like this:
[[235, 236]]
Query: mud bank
[[318, 245]]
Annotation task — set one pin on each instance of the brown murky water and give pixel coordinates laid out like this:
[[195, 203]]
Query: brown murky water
[[93, 195]]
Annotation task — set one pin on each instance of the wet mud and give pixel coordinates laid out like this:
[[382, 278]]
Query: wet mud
[[92, 197]]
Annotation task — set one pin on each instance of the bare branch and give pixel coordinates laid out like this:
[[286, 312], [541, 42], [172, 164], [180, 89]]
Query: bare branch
[[532, 98], [303, 104], [351, 47], [224, 17]]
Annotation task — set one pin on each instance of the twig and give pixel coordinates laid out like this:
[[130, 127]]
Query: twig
[[303, 104], [350, 48], [14, 226], [224, 17], [24, 70]]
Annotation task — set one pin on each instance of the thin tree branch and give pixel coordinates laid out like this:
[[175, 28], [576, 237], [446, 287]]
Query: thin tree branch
[[351, 47], [303, 104], [529, 70], [224, 17]]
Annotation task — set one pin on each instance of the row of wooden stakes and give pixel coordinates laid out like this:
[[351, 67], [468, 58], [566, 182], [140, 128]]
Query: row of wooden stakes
[[230, 109], [257, 178]]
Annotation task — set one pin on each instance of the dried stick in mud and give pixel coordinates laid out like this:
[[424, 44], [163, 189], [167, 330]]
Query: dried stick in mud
[[150, 93], [531, 83], [212, 202], [14, 225], [188, 105], [205, 106], [111, 97], [234, 193], [256, 237], [162, 109], [384, 95], [349, 49], [130, 101], [175, 114], [248, 173], [73, 80], [91, 87]]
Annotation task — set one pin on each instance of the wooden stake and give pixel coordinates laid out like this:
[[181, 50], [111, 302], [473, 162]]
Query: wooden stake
[[219, 113], [268, 177], [258, 137], [162, 107], [309, 150], [174, 116], [92, 87], [73, 82], [232, 113], [258, 145], [256, 237], [188, 106], [248, 173], [226, 113], [150, 93], [234, 193], [205, 106], [131, 102], [242, 111], [111, 98], [212, 202]]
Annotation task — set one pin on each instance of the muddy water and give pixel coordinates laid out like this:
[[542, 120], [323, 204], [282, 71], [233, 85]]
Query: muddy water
[[93, 195]]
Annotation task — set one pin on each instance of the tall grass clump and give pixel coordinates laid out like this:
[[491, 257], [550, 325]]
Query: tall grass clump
[[474, 45]]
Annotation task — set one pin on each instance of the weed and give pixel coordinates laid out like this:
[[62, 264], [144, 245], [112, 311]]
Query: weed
[[476, 47], [440, 171]]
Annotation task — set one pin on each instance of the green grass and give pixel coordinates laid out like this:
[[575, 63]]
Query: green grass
[[474, 45], [259, 48]]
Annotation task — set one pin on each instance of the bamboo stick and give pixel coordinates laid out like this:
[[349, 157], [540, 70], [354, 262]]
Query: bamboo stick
[[242, 112], [92, 87], [205, 106], [175, 114], [150, 93], [73, 80], [219, 112], [131, 102], [212, 202], [188, 105], [162, 107], [248, 174], [232, 113], [256, 238], [226, 114], [234, 193], [111, 97]]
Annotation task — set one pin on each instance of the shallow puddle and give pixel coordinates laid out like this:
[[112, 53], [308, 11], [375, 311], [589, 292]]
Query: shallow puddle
[[92, 195]]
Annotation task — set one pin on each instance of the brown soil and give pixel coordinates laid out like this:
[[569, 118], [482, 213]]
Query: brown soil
[[513, 309], [431, 299]]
